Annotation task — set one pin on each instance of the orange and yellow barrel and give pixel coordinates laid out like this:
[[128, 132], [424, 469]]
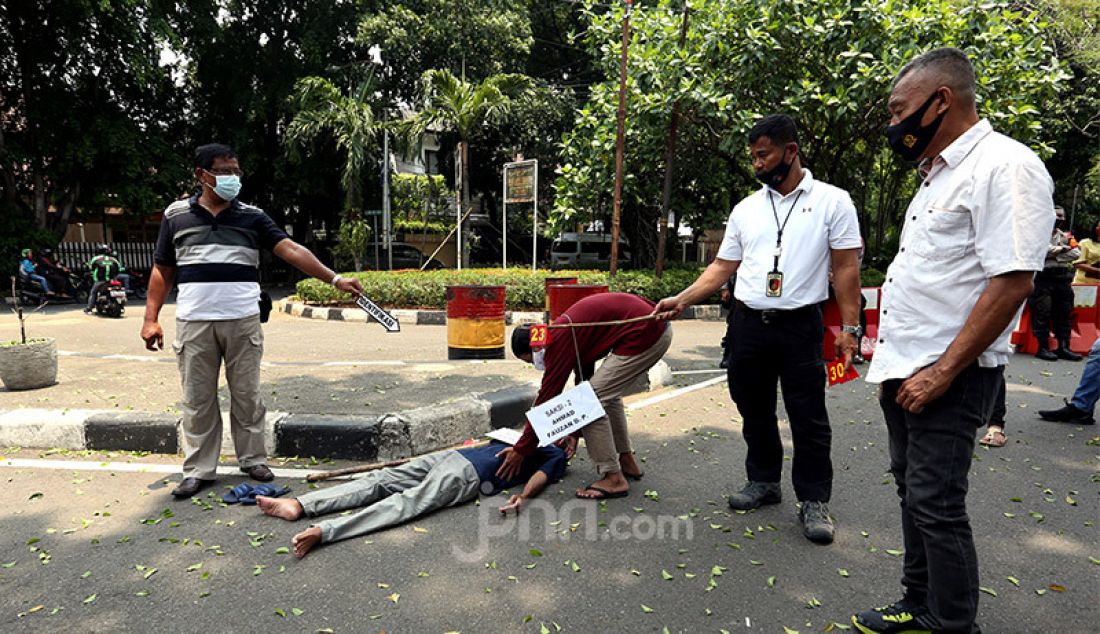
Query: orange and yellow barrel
[[475, 322]]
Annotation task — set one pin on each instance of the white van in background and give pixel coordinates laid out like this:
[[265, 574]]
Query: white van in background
[[573, 249]]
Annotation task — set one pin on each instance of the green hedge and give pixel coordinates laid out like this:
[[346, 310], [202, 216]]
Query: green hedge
[[870, 277], [427, 289]]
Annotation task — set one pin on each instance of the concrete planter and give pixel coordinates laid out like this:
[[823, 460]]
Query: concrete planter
[[27, 366]]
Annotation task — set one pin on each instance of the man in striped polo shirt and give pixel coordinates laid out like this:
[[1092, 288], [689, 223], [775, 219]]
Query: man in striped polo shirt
[[210, 245]]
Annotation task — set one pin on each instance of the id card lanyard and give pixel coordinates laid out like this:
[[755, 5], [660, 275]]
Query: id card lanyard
[[774, 286]]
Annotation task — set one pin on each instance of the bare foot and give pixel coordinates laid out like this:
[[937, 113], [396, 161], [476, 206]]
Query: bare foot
[[303, 542], [287, 509], [629, 465], [612, 483]]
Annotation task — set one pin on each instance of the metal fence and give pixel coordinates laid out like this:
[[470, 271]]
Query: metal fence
[[135, 256], [138, 257]]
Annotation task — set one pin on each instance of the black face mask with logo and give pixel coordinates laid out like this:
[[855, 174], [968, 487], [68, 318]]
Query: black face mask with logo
[[775, 175], [908, 137]]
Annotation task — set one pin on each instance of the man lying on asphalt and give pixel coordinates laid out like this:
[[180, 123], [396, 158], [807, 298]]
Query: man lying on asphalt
[[631, 350], [398, 494]]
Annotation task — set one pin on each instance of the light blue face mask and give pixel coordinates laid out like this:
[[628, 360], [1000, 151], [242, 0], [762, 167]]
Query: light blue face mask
[[538, 359], [227, 186]]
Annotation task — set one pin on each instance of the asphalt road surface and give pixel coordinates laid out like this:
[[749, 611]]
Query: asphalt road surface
[[91, 550]]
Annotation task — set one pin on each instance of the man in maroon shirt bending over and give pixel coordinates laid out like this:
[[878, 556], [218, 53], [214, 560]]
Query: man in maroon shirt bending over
[[634, 348]]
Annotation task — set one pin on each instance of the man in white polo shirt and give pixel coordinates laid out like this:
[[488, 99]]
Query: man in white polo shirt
[[782, 241], [210, 245], [975, 233]]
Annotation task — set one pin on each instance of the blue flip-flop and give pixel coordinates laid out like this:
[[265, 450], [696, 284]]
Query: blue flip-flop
[[266, 490], [238, 493]]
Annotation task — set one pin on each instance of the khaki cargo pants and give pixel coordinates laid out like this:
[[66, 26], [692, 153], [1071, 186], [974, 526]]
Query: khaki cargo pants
[[607, 437], [201, 347]]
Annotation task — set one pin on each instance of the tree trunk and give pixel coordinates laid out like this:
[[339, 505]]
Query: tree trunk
[[670, 153], [11, 196], [59, 223], [39, 196], [666, 190]]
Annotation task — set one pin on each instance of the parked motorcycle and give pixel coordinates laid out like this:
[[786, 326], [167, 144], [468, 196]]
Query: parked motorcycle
[[110, 300]]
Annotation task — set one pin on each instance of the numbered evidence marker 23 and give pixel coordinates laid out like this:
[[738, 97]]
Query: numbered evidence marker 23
[[388, 321], [540, 336], [566, 413]]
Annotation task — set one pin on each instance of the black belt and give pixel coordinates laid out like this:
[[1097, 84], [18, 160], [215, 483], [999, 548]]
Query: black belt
[[771, 316]]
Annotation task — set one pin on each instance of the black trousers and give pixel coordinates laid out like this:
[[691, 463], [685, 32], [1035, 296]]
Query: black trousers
[[1051, 305], [1000, 407], [784, 351], [930, 455]]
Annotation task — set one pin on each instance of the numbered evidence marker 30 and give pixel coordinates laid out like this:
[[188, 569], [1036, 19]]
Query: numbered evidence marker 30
[[837, 375], [388, 321], [566, 413]]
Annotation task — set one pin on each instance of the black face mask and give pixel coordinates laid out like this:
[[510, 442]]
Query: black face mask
[[908, 137], [775, 175]]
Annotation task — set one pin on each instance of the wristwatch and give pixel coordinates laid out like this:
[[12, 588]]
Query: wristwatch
[[855, 331]]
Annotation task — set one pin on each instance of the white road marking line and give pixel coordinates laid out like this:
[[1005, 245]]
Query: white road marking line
[[343, 363], [273, 363], [653, 400], [77, 465]]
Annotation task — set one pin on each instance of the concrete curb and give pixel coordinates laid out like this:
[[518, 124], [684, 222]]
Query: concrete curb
[[363, 438], [388, 437], [708, 312]]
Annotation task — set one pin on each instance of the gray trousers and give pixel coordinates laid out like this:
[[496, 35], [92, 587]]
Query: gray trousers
[[607, 437], [201, 347], [393, 496]]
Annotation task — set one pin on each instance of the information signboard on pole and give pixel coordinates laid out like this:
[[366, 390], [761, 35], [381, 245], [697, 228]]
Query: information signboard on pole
[[521, 185]]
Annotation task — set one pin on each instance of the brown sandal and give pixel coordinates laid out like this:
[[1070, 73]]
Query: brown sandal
[[994, 438]]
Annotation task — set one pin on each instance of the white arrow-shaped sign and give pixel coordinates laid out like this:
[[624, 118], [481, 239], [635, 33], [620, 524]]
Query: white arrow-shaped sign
[[388, 321]]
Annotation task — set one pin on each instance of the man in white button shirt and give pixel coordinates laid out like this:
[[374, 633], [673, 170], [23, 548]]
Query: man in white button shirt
[[781, 241], [975, 233]]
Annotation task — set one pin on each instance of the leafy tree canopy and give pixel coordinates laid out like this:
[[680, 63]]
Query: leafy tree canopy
[[828, 63]]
